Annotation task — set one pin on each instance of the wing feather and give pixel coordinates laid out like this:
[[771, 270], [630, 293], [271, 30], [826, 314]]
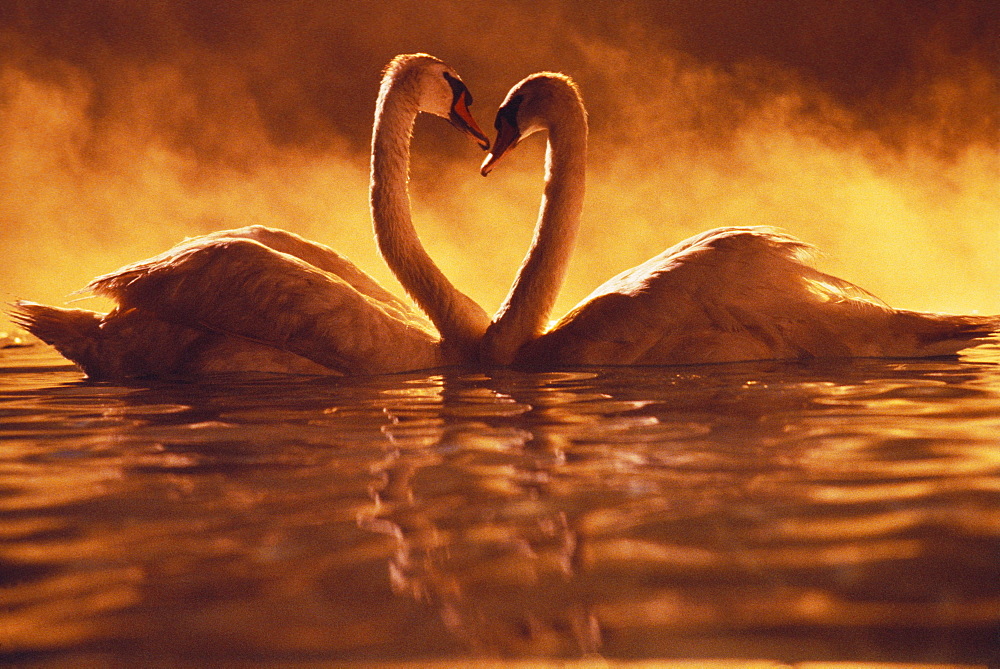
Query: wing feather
[[240, 286], [741, 294]]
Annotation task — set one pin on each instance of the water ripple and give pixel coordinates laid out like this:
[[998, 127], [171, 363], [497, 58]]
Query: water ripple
[[837, 510]]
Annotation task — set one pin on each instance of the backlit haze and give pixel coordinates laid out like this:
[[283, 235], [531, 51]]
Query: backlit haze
[[869, 129]]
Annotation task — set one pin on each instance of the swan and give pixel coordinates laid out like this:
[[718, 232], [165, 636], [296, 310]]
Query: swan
[[261, 299], [725, 295]]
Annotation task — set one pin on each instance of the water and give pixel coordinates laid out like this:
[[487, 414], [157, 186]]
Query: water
[[830, 511]]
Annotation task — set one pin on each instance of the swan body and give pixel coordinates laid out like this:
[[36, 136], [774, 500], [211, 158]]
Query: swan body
[[260, 299], [728, 294]]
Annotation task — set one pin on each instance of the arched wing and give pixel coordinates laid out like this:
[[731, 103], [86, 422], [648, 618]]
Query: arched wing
[[320, 256], [727, 294], [324, 258], [236, 285]]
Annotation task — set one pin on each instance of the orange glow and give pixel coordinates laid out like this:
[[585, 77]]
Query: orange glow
[[115, 146]]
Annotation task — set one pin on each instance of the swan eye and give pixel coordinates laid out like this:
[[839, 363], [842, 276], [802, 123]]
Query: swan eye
[[508, 113], [458, 89]]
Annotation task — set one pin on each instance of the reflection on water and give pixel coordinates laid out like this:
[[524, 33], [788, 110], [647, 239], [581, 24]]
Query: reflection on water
[[834, 511]]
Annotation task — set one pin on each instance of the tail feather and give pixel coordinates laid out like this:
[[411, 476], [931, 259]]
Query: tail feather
[[119, 345], [946, 334], [72, 332]]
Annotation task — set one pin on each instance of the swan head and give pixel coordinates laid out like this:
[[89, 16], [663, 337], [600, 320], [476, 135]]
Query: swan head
[[539, 102], [437, 89]]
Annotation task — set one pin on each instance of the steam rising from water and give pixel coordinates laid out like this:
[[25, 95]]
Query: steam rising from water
[[871, 133]]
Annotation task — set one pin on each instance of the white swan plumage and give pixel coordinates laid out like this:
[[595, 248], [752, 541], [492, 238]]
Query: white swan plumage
[[728, 294], [266, 300]]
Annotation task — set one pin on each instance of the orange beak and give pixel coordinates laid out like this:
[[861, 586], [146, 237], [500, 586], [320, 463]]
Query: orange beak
[[507, 138], [461, 118]]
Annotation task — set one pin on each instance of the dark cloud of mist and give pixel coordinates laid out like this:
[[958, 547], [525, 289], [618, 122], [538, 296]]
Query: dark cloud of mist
[[307, 70], [126, 125]]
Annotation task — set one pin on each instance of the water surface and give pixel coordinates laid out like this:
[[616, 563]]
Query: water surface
[[824, 511]]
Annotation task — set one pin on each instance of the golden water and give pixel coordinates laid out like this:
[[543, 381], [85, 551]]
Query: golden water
[[824, 511]]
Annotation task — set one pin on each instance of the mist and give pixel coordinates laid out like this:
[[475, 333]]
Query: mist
[[871, 130]]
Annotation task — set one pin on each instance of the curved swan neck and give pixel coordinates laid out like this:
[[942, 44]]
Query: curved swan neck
[[460, 321], [525, 312]]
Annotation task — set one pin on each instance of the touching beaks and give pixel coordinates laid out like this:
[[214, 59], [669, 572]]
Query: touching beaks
[[489, 163], [461, 118], [507, 138]]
